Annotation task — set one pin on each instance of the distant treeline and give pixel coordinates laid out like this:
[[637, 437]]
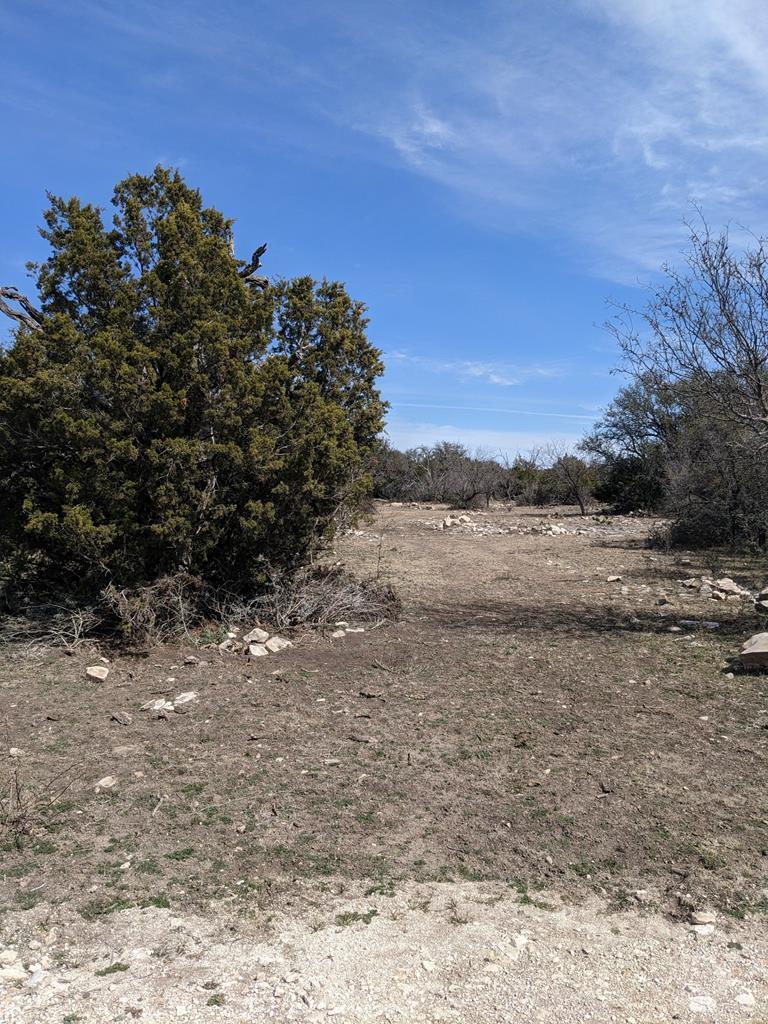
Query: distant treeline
[[449, 472]]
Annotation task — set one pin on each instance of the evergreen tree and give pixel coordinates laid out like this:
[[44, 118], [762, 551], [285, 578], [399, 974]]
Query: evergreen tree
[[165, 416]]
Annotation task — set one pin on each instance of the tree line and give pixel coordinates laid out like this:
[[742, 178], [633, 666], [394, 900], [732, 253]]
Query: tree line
[[449, 472]]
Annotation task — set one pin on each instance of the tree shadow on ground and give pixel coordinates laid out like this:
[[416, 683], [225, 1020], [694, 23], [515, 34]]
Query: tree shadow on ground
[[576, 621]]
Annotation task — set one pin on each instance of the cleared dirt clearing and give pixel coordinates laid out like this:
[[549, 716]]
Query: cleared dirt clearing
[[527, 727]]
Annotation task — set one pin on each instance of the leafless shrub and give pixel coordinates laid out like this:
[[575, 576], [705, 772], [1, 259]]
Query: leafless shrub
[[156, 612], [660, 538], [177, 606], [51, 625], [27, 811], [318, 596]]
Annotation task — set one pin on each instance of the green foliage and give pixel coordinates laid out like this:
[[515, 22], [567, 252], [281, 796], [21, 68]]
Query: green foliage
[[167, 417]]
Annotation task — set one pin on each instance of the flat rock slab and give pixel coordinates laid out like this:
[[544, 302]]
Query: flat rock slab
[[754, 653]]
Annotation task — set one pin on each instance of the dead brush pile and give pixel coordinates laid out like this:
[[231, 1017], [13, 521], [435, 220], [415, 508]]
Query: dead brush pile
[[320, 597], [181, 607]]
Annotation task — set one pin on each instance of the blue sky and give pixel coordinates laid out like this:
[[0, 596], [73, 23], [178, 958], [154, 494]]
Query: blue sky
[[484, 175]]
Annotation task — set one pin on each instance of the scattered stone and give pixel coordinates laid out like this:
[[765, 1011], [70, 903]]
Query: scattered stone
[[724, 589], [8, 956], [754, 652], [703, 917], [728, 586], [157, 706], [13, 972], [182, 702], [121, 717], [703, 931], [745, 999], [256, 636], [108, 782], [277, 643], [338, 634], [99, 672], [191, 660], [257, 650], [702, 1004], [614, 579], [16, 752]]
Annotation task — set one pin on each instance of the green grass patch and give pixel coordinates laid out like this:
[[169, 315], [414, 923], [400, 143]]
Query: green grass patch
[[352, 917], [115, 968]]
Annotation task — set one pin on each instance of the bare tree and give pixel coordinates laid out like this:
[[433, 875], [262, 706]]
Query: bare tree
[[706, 329], [575, 476]]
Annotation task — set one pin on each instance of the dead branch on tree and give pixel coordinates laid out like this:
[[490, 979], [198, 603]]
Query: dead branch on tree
[[248, 272], [28, 315]]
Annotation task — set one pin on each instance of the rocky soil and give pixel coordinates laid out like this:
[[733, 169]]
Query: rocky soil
[[467, 953]]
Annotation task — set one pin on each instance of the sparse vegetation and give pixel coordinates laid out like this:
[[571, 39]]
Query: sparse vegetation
[[354, 916], [450, 473], [116, 968]]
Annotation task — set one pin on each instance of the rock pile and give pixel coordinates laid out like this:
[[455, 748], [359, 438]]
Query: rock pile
[[179, 704], [555, 530], [451, 520], [464, 523], [724, 589], [257, 643]]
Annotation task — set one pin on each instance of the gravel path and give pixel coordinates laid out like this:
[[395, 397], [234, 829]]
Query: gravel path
[[465, 952]]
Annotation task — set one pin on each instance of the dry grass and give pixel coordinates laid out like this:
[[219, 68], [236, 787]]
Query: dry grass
[[158, 612], [51, 625]]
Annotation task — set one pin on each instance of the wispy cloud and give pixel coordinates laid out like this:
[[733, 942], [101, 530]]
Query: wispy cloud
[[603, 119], [596, 122], [499, 373], [500, 410]]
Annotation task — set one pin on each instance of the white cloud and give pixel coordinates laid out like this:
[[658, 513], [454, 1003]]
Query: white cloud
[[592, 121]]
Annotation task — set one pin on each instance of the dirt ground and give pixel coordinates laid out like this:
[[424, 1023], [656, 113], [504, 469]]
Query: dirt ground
[[530, 739]]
